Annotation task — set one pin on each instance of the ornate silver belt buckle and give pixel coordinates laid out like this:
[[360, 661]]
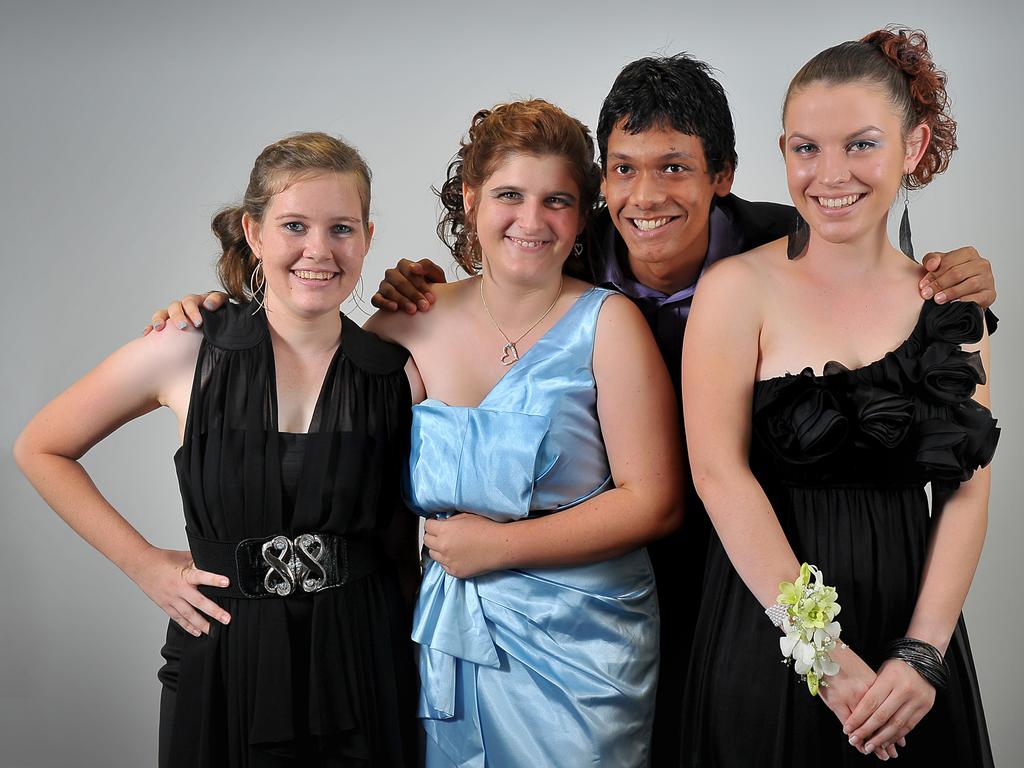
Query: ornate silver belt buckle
[[294, 563]]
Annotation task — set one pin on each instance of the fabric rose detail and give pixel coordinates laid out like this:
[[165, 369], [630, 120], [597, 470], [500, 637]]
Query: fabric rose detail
[[804, 423], [961, 322], [941, 450], [981, 430], [954, 379], [883, 418]]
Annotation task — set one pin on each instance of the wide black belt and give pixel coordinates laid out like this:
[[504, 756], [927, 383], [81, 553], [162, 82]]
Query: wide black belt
[[279, 566]]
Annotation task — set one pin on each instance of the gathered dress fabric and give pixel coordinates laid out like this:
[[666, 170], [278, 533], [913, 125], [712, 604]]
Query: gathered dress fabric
[[844, 459], [320, 679], [531, 666]]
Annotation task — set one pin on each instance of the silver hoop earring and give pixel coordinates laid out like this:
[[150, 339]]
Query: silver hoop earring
[[577, 249], [257, 284], [356, 297]]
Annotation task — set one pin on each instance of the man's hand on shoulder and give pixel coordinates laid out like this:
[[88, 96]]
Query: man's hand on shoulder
[[962, 275], [407, 286], [186, 311]]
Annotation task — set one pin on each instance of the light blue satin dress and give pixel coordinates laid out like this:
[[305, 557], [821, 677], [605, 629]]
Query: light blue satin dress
[[534, 666]]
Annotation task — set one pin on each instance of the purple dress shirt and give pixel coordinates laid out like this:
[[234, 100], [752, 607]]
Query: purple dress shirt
[[735, 226]]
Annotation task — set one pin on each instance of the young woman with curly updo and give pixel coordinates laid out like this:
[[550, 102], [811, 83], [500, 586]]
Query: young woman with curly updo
[[543, 459], [821, 396]]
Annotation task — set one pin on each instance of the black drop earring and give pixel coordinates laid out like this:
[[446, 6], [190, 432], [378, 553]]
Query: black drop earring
[[798, 238], [906, 244]]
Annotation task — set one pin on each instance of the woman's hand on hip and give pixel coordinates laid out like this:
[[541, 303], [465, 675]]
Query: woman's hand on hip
[[169, 578]]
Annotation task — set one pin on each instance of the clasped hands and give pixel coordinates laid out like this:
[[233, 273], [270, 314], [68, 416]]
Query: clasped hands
[[877, 711]]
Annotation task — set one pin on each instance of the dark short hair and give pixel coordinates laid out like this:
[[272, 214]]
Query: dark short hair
[[677, 92]]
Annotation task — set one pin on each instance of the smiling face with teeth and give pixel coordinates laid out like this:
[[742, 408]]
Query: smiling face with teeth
[[526, 216], [312, 242], [659, 195], [845, 159]]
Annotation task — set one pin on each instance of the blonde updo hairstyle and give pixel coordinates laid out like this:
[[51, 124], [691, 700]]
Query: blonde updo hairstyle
[[294, 158]]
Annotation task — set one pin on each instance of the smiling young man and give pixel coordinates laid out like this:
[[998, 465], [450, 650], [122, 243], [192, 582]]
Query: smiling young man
[[668, 156]]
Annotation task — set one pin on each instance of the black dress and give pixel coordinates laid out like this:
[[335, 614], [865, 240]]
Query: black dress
[[844, 459], [321, 679]]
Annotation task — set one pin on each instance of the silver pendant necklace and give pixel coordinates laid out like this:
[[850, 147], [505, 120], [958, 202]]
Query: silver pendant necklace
[[510, 355]]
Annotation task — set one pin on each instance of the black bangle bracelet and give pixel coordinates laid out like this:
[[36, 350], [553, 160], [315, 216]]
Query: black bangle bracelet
[[924, 658]]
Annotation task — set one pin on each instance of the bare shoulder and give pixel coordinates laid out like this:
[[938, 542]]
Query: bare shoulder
[[391, 326], [168, 350], [618, 311], [742, 281], [622, 332], [163, 363], [753, 265], [407, 330]]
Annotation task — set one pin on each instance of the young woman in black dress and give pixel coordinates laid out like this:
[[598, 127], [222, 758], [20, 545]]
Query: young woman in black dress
[[289, 636], [802, 459]]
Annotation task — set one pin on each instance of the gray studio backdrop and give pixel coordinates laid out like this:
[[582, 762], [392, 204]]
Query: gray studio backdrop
[[125, 125]]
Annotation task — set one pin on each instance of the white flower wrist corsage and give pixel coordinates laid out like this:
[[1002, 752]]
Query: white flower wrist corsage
[[805, 611]]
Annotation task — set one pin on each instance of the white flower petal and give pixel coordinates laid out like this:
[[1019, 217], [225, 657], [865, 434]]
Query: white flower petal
[[787, 643], [804, 653]]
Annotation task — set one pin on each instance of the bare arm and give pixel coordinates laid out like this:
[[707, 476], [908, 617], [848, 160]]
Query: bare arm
[[719, 368], [135, 380], [900, 697], [638, 422], [954, 548], [720, 357]]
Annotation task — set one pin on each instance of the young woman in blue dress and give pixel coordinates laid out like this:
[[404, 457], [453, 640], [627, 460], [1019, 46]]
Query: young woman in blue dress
[[543, 458]]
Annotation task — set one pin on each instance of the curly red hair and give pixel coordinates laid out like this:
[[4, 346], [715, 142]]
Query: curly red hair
[[532, 127]]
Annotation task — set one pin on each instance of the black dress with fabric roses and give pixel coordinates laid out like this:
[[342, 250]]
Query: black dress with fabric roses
[[844, 459]]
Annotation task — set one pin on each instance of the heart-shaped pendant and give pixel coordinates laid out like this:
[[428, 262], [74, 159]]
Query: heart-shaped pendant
[[511, 354]]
